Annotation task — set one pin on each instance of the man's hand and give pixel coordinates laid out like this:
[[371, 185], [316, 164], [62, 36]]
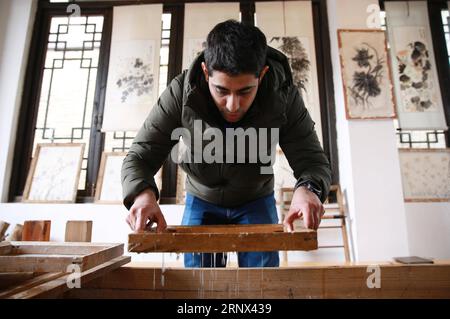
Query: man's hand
[[146, 210], [304, 203]]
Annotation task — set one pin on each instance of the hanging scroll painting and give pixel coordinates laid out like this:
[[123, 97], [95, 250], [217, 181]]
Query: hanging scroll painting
[[298, 52], [199, 20], [417, 90], [289, 28], [133, 75]]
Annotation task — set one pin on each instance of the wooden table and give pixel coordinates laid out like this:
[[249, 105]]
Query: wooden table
[[349, 280]]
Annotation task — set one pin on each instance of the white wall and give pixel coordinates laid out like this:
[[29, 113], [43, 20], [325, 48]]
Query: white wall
[[429, 229], [368, 159], [16, 23], [5, 7]]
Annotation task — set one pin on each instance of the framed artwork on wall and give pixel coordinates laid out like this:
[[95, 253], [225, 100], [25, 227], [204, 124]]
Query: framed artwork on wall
[[425, 174], [54, 173], [366, 74], [109, 184]]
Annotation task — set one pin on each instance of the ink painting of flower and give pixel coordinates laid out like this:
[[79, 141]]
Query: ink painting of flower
[[414, 75], [366, 74], [137, 81], [132, 79], [298, 59]]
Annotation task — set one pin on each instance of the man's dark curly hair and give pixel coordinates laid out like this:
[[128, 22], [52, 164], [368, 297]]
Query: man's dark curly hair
[[235, 48]]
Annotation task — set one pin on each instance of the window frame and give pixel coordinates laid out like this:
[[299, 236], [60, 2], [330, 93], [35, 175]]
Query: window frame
[[31, 97]]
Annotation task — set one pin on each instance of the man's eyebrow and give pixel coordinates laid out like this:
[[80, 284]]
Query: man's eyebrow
[[225, 89]]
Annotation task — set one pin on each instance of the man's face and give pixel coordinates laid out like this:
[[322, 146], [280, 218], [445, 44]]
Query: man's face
[[233, 95]]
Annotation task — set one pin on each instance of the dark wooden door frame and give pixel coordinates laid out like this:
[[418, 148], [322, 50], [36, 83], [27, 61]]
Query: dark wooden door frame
[[326, 86], [169, 173]]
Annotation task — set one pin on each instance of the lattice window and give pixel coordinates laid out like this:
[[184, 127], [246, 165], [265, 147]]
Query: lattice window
[[68, 83]]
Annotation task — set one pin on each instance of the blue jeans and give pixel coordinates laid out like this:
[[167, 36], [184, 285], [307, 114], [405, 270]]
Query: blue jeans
[[260, 211]]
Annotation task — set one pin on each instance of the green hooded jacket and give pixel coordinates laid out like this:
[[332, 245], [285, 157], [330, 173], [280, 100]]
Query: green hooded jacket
[[278, 104]]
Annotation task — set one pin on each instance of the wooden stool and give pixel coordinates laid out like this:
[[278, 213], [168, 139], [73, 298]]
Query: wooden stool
[[334, 209]]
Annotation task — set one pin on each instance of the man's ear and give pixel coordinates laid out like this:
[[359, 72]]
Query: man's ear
[[263, 72], [205, 71]]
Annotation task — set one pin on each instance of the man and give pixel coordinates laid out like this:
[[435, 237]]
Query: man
[[238, 82]]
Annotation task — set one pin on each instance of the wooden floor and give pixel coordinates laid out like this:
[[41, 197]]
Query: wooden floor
[[312, 280]]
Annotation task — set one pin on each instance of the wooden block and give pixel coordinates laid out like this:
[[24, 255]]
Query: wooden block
[[3, 228], [78, 231], [36, 230], [16, 234], [222, 238]]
